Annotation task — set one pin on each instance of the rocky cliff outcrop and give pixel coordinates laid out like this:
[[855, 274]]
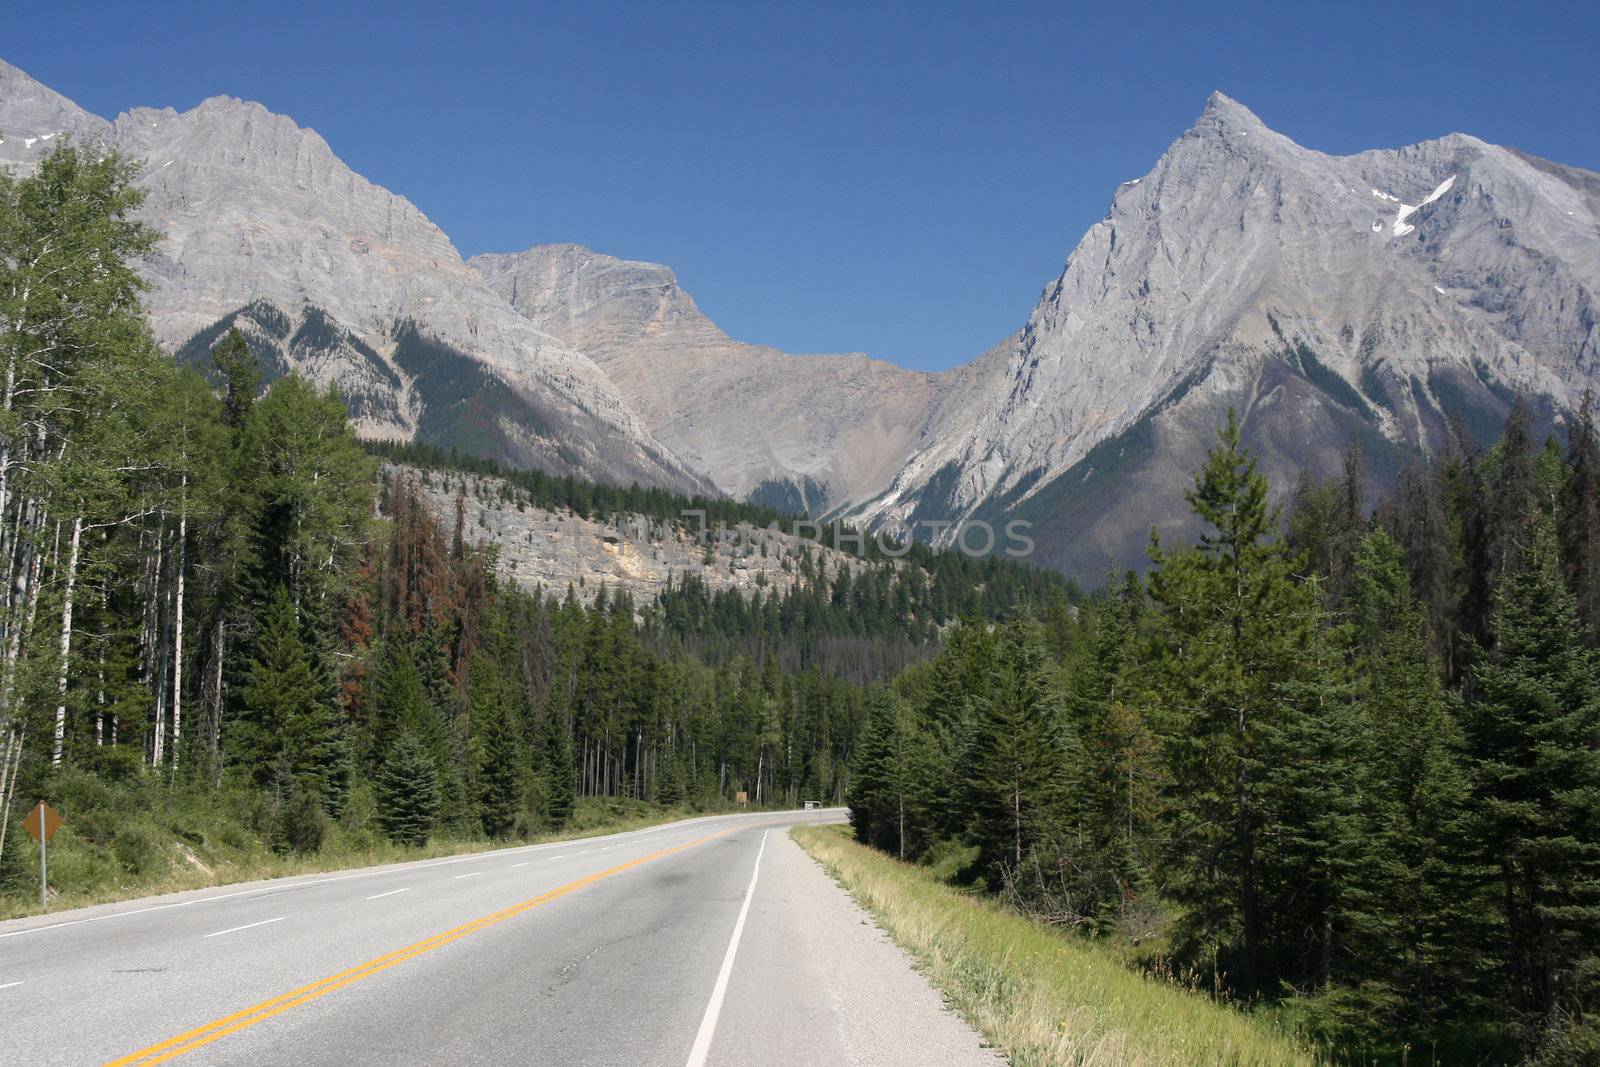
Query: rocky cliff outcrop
[[558, 551]]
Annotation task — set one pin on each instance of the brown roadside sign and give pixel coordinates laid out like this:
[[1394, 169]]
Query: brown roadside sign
[[42, 820]]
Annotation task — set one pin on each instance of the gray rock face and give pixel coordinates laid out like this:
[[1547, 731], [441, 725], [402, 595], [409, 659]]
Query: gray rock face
[[1328, 299], [254, 208], [32, 116], [817, 432], [553, 551]]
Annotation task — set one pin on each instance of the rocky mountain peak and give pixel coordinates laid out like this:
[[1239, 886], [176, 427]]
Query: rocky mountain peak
[[32, 116], [801, 432], [1381, 297], [594, 301], [257, 212], [1373, 297], [1223, 109]]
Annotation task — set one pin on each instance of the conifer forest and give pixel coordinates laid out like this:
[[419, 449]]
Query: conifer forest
[[1338, 759]]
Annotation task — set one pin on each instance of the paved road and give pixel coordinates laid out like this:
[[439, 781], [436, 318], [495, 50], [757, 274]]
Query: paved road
[[709, 941]]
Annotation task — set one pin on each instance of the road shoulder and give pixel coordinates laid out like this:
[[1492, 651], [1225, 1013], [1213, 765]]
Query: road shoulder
[[817, 982]]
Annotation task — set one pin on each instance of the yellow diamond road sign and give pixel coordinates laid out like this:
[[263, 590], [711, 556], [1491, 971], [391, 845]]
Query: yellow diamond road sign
[[42, 822]]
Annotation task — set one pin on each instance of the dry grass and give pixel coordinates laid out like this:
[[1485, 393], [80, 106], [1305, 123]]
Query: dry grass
[[1040, 996]]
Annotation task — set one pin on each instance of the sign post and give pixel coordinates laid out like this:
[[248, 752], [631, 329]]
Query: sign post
[[42, 823]]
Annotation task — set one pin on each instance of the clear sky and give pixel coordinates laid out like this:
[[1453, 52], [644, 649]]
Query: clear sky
[[900, 179]]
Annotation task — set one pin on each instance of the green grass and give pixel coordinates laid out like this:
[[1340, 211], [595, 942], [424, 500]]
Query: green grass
[[138, 838], [1041, 996]]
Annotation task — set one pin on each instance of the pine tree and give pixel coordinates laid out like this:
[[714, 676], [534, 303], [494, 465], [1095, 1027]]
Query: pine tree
[[241, 377], [497, 753], [1512, 496], [1023, 755], [288, 728], [400, 704], [1114, 797], [407, 788], [958, 673], [1580, 515], [893, 780], [1412, 920], [1534, 738], [874, 777], [561, 773], [674, 787], [1309, 794], [1230, 631]]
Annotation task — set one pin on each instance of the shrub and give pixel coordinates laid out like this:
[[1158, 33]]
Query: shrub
[[138, 850], [301, 824]]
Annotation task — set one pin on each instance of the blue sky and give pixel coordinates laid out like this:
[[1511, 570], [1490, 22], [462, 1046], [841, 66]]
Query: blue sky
[[900, 179]]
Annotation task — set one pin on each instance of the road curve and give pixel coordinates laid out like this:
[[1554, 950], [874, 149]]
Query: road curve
[[708, 941]]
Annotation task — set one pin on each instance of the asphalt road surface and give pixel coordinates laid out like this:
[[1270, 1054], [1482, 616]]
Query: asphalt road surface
[[709, 941]]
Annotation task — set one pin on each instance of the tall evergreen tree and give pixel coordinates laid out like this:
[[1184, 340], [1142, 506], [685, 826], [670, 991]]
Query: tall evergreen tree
[[1115, 796], [1580, 515], [407, 792], [288, 728], [498, 759], [1534, 737], [1416, 916], [1023, 755], [893, 782], [1231, 628], [560, 771], [241, 377]]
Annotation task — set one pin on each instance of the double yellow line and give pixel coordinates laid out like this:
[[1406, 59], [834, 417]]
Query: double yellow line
[[201, 1036]]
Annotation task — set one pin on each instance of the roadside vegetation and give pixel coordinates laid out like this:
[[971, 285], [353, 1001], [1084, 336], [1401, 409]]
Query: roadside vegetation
[[1342, 767], [1043, 996], [161, 841]]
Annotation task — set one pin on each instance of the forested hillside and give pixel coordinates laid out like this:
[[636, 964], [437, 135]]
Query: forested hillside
[[1350, 771], [723, 578], [210, 596], [222, 629]]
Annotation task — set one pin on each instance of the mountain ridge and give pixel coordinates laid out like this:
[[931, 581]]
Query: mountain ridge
[[1379, 298], [818, 428], [1245, 271], [253, 207]]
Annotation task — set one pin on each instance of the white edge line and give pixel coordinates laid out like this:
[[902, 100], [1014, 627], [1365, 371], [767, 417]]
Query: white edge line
[[277, 886], [246, 926], [708, 1024], [390, 893]]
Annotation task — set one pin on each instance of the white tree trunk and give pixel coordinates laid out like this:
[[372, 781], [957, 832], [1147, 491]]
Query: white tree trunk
[[153, 652], [66, 641], [8, 783], [177, 626]]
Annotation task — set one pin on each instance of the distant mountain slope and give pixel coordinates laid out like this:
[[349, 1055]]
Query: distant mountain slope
[[1376, 298], [253, 209], [802, 432]]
